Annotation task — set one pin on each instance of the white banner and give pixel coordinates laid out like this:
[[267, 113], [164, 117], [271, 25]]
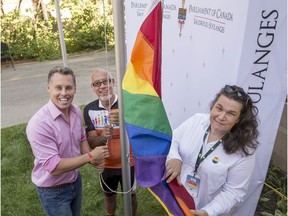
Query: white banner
[[207, 44], [200, 53], [263, 73]]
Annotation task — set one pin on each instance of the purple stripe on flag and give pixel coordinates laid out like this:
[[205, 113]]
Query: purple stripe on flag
[[149, 169], [167, 198]]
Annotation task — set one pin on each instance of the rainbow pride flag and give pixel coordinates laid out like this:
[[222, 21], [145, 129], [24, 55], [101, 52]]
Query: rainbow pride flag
[[146, 122]]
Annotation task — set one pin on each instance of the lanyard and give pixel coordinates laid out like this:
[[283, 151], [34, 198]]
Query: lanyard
[[201, 158]]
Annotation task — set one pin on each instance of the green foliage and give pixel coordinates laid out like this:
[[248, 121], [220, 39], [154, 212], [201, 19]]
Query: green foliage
[[86, 27], [36, 38], [273, 200], [28, 40]]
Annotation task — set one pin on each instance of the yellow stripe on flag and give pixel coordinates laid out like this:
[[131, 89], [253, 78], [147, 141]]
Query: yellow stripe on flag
[[134, 84], [160, 201]]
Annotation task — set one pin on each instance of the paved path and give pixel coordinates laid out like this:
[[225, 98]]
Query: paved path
[[24, 91]]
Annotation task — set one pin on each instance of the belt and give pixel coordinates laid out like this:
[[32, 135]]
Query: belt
[[57, 186], [61, 185]]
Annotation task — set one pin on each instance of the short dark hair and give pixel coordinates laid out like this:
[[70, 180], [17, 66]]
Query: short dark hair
[[61, 70]]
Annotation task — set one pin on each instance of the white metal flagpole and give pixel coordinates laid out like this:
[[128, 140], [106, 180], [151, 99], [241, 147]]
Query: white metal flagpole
[[120, 54], [61, 34]]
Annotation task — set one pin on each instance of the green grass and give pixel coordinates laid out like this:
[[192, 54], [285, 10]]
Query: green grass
[[19, 197], [18, 194]]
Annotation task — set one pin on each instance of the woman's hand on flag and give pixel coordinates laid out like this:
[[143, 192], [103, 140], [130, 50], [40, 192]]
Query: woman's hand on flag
[[173, 169]]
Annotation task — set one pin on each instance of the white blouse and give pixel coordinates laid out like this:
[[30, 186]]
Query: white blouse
[[224, 178]]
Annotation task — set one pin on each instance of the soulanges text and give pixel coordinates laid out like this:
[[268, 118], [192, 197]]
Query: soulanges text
[[264, 40]]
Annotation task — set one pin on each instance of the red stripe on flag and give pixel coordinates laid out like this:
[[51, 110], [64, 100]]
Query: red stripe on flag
[[184, 199], [152, 31]]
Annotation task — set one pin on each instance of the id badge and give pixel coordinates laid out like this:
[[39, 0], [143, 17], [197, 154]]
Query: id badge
[[192, 185]]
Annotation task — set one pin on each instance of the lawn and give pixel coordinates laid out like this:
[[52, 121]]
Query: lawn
[[19, 197], [18, 194]]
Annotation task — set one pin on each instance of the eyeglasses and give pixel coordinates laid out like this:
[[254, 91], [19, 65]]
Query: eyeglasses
[[98, 83], [239, 92]]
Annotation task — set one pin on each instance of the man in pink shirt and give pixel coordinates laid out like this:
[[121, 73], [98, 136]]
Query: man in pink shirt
[[59, 144]]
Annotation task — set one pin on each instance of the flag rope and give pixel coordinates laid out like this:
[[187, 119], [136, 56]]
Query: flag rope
[[117, 192], [109, 104]]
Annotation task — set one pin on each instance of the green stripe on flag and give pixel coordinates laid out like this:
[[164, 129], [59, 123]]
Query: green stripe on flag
[[145, 111]]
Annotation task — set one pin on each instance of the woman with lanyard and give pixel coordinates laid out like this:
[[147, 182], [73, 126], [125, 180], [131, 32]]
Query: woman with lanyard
[[212, 155]]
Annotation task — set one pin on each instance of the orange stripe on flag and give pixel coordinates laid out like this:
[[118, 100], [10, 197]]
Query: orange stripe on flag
[[184, 207], [142, 58]]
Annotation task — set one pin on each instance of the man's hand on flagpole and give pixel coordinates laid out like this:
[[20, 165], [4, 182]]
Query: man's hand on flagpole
[[113, 117], [173, 169], [107, 132]]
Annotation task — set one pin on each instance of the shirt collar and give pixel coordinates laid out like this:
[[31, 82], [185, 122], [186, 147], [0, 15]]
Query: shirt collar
[[55, 111], [115, 100]]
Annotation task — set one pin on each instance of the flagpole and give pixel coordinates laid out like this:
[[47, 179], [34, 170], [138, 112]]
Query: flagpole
[[120, 54], [61, 34]]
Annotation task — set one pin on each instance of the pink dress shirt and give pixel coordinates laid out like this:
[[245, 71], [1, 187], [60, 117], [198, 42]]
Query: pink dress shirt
[[52, 138]]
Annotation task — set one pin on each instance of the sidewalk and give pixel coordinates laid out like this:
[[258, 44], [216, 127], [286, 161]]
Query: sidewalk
[[24, 90]]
